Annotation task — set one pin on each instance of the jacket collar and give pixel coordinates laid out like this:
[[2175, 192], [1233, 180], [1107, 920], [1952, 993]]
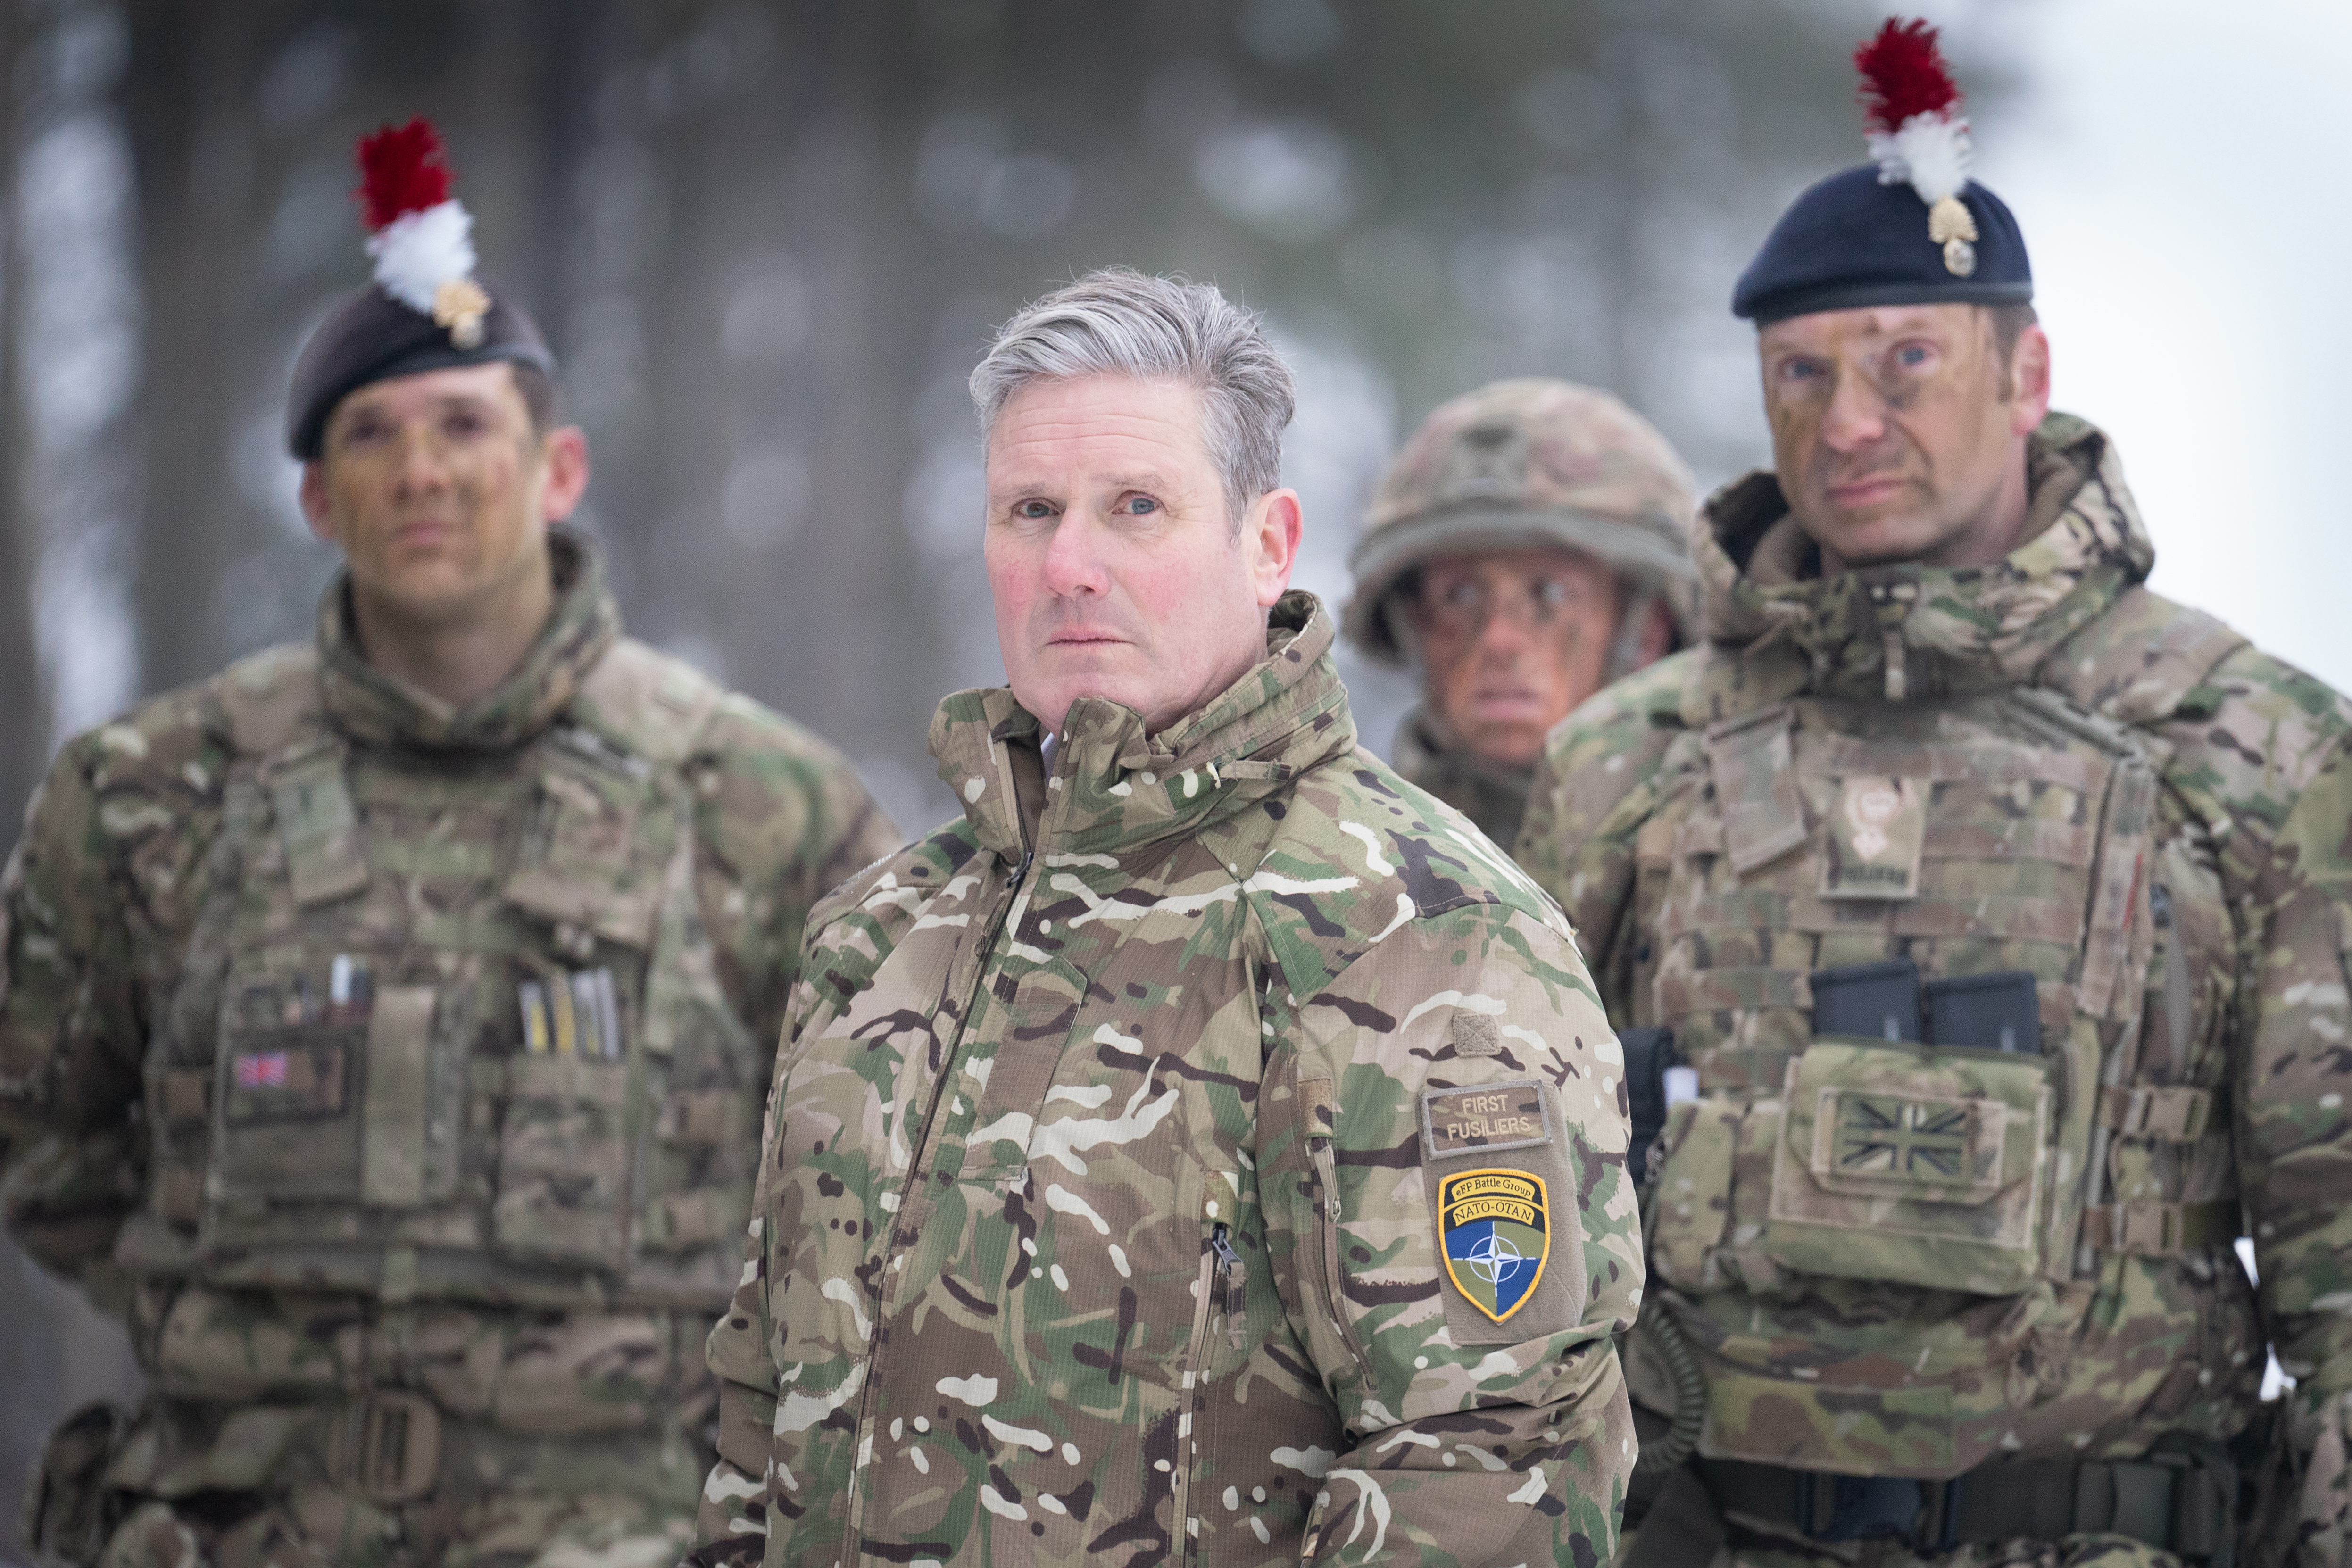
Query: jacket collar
[[375, 708], [1112, 788], [1775, 628]]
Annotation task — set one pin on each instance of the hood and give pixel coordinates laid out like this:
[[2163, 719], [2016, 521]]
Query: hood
[[373, 707], [1112, 788], [1775, 627]]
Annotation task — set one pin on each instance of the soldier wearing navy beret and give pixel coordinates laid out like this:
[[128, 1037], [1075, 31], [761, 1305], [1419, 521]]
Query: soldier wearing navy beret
[[1974, 921], [385, 1020]]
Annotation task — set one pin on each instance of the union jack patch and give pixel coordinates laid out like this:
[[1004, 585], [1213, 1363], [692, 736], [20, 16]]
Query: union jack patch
[[261, 1070]]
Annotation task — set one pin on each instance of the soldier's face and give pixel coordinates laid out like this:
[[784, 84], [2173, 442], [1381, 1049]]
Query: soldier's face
[[439, 492], [1116, 570], [1511, 641], [1897, 433]]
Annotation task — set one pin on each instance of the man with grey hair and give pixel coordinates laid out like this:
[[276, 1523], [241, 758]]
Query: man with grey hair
[[1208, 1144]]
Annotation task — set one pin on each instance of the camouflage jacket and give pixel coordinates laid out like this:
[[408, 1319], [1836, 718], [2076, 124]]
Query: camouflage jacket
[[1099, 1215], [101, 897], [1494, 795], [2227, 1078]]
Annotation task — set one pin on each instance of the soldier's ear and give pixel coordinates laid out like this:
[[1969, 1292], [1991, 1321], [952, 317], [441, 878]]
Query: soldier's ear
[[2029, 380], [1271, 533], [313, 497], [565, 452]]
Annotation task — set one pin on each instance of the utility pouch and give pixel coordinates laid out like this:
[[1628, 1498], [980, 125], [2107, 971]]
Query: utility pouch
[[586, 863], [1916, 1165], [68, 1511], [286, 1104], [567, 1160], [1705, 1214]]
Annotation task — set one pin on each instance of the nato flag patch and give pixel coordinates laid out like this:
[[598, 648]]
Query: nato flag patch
[[1495, 1229]]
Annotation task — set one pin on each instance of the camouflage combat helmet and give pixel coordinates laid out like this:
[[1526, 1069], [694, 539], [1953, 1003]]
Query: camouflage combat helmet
[[1522, 463]]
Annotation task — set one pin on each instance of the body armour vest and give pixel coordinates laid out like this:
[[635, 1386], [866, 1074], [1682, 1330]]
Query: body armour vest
[[450, 1026], [1956, 969]]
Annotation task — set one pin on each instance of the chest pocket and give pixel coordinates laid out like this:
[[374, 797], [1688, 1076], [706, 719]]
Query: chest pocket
[[331, 1089], [2001, 835], [589, 864], [590, 867]]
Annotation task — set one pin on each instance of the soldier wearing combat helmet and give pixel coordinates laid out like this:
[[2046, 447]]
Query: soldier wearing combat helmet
[[1525, 549], [1996, 909], [386, 1020]]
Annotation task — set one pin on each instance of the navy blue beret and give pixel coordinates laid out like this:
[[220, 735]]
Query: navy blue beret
[[370, 336], [1850, 241]]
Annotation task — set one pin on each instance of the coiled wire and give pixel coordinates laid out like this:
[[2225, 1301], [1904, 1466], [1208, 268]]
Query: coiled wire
[[1689, 1378]]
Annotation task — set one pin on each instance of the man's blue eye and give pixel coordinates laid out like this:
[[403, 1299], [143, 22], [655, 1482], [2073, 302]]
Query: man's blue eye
[[1911, 356], [1033, 509], [1137, 505]]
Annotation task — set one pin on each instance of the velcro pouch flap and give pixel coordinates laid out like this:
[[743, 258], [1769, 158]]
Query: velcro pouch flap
[[395, 1109], [317, 825], [1916, 1166], [1753, 761]]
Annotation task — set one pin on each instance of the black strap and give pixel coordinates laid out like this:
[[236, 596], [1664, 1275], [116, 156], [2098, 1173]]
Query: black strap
[[2181, 1496]]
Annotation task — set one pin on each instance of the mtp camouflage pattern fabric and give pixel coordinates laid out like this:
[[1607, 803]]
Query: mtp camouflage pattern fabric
[[2096, 786], [1530, 462], [1096, 1220], [1492, 794], [404, 1290]]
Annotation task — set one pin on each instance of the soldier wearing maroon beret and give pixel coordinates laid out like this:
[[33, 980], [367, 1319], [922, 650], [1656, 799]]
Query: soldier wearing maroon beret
[[386, 1019], [1975, 922]]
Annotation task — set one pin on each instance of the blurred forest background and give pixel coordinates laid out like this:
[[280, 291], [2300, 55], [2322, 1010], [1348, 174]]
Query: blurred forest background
[[770, 239]]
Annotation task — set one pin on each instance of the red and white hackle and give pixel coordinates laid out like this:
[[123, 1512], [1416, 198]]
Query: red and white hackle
[[1917, 133], [422, 237]]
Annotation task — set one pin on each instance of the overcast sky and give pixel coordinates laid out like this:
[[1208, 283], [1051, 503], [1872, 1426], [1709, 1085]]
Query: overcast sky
[[2177, 171]]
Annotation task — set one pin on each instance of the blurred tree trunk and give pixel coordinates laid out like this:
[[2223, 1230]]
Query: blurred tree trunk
[[190, 94], [29, 1351], [24, 705]]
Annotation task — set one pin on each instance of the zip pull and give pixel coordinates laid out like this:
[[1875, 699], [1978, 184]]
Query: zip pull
[[2159, 902], [1326, 1177], [1234, 1274]]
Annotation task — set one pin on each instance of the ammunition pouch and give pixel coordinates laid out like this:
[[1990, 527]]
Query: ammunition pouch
[[2181, 1496], [1919, 1165]]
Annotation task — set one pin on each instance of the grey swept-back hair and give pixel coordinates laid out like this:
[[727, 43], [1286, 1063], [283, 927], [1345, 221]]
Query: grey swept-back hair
[[1117, 321]]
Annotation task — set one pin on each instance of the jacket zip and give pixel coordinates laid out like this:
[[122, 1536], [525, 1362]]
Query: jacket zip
[[1007, 911], [1206, 1295], [1231, 1275]]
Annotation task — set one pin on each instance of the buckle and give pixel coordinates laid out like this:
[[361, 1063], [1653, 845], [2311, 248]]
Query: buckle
[[1866, 1508], [385, 1445]]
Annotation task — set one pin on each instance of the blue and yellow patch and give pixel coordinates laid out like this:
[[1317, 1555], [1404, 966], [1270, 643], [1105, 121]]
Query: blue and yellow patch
[[1495, 1227]]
